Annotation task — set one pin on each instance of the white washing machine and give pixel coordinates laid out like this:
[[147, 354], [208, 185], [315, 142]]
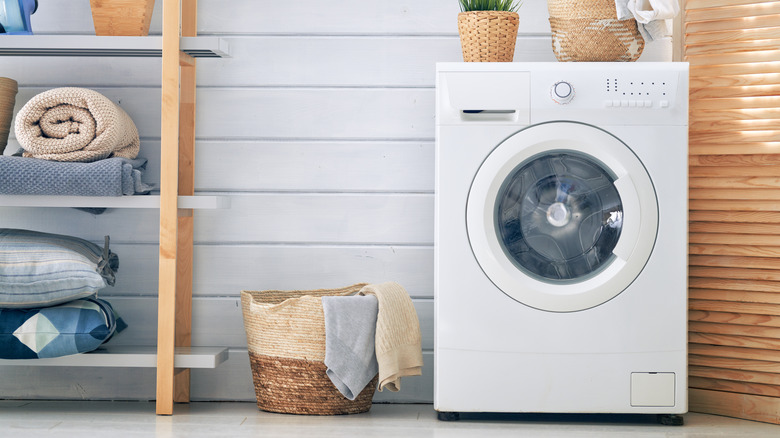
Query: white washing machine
[[561, 238]]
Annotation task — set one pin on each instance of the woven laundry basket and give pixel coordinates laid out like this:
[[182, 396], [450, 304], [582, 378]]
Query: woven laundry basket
[[285, 332], [8, 90], [588, 30], [488, 36]]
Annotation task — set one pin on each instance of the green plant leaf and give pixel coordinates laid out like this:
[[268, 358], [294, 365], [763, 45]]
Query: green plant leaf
[[490, 5]]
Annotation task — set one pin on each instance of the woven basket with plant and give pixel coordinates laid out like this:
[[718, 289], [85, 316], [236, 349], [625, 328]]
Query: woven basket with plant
[[488, 29], [588, 30]]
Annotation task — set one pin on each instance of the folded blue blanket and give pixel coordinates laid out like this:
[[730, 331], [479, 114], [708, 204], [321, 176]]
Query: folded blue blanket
[[107, 177]]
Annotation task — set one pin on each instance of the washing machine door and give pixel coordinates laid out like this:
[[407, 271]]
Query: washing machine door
[[562, 216]]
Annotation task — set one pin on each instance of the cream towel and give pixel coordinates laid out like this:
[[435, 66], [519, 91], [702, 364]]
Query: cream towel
[[75, 124], [398, 349]]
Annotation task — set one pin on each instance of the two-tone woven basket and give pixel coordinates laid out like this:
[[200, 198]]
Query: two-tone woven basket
[[285, 333], [588, 30], [8, 90], [488, 36]]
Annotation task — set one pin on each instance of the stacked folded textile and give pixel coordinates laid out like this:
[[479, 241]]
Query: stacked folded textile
[[48, 295], [75, 142]]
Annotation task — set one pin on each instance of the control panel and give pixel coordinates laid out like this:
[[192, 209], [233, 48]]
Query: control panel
[[637, 92]]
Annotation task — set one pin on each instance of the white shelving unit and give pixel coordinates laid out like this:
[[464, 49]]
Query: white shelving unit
[[178, 47]]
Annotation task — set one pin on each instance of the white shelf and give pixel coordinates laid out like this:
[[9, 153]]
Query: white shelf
[[124, 46], [131, 357], [200, 202]]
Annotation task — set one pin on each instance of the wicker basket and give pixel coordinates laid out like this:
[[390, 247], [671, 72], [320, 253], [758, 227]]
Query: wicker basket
[[488, 36], [285, 332], [122, 17], [588, 30], [8, 90]]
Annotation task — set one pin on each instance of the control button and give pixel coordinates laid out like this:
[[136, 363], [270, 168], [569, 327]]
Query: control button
[[608, 103], [632, 103], [615, 103], [664, 103], [648, 103], [624, 103], [562, 92]]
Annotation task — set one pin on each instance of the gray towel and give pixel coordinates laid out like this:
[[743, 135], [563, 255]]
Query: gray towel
[[108, 177], [350, 328]]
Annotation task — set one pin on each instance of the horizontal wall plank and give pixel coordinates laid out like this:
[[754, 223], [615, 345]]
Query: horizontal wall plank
[[745, 36], [732, 182], [736, 296], [734, 205], [734, 125], [225, 270], [748, 285], [764, 102], [734, 194], [735, 387], [730, 138], [738, 148], [734, 330], [731, 341], [735, 80], [734, 313], [735, 250], [734, 262], [735, 364], [731, 23], [731, 228], [734, 273], [737, 10], [692, 5], [743, 57], [732, 35], [734, 375], [736, 239], [405, 166], [734, 352], [735, 216], [258, 218], [750, 407], [737, 91]]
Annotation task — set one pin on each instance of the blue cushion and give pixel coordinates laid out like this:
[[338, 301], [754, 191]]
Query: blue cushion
[[41, 269], [75, 327]]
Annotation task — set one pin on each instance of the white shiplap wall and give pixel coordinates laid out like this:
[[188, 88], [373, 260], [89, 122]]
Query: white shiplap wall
[[320, 127]]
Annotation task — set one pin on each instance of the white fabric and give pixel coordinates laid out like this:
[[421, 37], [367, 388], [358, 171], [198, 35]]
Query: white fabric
[[650, 15]]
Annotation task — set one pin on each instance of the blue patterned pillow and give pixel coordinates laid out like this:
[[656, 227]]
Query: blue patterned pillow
[[41, 269], [75, 327]]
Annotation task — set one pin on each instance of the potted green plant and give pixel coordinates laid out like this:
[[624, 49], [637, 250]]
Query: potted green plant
[[488, 29]]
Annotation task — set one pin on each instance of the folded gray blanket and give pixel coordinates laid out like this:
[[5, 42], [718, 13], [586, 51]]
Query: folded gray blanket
[[108, 177], [350, 328]]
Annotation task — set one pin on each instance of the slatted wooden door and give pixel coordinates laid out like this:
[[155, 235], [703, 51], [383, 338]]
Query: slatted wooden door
[[733, 47]]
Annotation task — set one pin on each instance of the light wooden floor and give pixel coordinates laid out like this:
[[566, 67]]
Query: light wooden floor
[[137, 419]]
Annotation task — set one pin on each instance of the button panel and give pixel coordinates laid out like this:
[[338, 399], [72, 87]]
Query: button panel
[[633, 103]]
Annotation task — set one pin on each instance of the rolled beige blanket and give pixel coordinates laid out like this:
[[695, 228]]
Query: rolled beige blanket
[[75, 124]]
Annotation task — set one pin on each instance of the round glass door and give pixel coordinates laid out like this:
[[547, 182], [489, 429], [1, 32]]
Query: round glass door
[[559, 217], [562, 216]]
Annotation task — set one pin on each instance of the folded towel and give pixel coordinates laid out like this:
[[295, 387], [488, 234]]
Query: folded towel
[[109, 177], [75, 124], [398, 349], [650, 15], [350, 333]]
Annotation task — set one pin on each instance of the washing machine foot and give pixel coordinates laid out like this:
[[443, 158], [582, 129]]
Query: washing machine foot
[[670, 419], [448, 416]]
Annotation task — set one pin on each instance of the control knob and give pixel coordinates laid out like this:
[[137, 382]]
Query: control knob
[[562, 92]]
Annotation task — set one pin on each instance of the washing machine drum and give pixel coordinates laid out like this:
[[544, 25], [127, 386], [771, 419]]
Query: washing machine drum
[[562, 216]]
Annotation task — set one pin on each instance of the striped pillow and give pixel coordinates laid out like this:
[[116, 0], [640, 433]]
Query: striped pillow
[[41, 269]]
